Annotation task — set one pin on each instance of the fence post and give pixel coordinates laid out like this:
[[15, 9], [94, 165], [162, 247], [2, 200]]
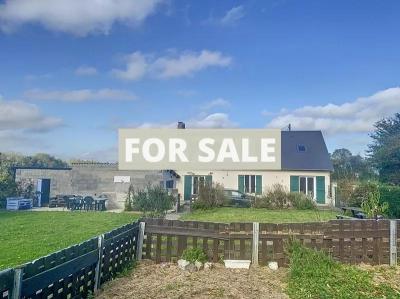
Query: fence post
[[140, 239], [17, 288], [393, 242], [256, 238], [97, 279]]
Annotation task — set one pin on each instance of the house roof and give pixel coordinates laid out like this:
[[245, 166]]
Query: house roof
[[304, 150]]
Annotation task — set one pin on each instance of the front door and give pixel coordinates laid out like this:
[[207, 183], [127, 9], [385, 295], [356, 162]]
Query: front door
[[45, 192]]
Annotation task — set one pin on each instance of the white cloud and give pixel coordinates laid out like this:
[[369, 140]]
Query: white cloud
[[233, 15], [80, 95], [79, 17], [357, 116], [136, 67], [18, 115], [214, 120], [86, 71], [186, 63], [217, 103]]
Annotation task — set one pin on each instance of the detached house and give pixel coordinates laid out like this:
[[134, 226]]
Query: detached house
[[305, 167]]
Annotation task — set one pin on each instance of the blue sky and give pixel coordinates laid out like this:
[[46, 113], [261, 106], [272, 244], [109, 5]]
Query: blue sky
[[72, 71]]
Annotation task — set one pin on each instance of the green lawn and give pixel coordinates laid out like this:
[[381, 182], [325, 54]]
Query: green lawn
[[25, 236], [227, 215]]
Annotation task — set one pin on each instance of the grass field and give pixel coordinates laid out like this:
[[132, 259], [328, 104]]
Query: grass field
[[25, 236], [227, 215]]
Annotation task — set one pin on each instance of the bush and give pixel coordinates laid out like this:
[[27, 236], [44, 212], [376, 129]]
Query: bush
[[301, 201], [315, 275], [153, 201], [361, 193], [373, 206], [391, 195], [277, 197], [345, 189], [210, 196], [194, 254]]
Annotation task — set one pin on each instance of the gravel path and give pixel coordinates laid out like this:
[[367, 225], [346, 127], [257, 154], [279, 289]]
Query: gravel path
[[149, 280]]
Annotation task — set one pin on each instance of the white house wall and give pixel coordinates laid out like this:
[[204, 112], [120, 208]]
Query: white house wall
[[229, 179]]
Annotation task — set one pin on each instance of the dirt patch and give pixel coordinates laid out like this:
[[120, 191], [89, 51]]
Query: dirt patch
[[149, 280]]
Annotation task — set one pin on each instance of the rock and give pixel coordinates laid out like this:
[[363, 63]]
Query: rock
[[191, 268], [208, 266], [164, 265], [183, 264], [199, 265], [273, 265]]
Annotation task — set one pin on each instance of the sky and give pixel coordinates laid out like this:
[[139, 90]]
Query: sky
[[74, 71]]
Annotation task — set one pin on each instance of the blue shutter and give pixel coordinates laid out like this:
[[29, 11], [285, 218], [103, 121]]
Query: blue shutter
[[187, 188], [259, 184], [241, 183], [294, 183], [321, 189], [209, 180]]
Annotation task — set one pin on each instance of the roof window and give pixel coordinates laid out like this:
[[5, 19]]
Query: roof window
[[301, 148]]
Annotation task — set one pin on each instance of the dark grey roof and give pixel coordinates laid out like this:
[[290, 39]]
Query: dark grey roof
[[315, 156]]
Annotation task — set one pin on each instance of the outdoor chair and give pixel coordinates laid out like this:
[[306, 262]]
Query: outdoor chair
[[88, 203]]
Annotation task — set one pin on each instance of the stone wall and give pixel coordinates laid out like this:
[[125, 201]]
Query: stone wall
[[91, 179]]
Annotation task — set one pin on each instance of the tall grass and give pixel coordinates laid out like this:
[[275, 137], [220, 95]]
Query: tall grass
[[313, 274]]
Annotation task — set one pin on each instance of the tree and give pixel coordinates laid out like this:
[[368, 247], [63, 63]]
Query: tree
[[8, 162], [7, 184], [350, 167], [384, 151]]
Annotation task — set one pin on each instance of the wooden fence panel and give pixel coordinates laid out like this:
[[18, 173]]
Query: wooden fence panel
[[119, 249], [71, 272], [67, 273], [167, 240], [349, 241], [6, 283]]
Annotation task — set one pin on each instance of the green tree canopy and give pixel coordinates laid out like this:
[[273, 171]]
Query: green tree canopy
[[349, 166], [384, 150]]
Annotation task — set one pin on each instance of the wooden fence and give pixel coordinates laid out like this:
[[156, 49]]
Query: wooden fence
[[349, 241], [81, 269], [73, 272]]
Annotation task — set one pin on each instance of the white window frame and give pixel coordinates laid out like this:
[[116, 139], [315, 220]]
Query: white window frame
[[244, 183], [314, 185]]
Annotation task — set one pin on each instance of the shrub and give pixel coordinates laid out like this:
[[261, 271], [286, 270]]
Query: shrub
[[277, 197], [210, 196], [301, 201], [391, 195], [153, 201], [361, 193], [194, 254], [315, 275], [345, 189], [372, 206]]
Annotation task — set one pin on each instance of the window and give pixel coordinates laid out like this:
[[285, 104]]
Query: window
[[307, 186], [301, 148], [197, 181], [169, 184], [250, 184]]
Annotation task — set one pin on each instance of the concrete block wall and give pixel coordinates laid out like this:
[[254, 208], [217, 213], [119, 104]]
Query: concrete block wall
[[91, 179]]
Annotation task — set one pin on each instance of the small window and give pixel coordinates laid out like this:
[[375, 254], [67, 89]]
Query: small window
[[301, 148], [169, 184]]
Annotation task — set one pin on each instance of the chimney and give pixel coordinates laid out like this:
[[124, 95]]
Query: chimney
[[181, 125]]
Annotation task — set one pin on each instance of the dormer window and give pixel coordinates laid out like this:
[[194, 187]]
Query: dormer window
[[301, 148]]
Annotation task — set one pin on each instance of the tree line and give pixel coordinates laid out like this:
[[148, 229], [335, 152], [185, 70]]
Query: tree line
[[382, 160]]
